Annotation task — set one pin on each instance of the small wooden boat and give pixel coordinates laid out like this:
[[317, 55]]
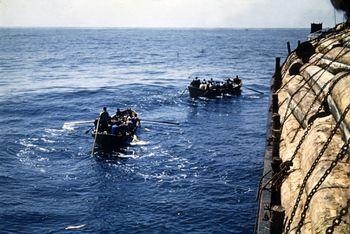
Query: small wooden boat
[[109, 143], [218, 90], [197, 92], [112, 140]]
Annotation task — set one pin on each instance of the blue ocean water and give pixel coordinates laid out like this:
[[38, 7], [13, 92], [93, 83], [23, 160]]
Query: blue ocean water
[[198, 177]]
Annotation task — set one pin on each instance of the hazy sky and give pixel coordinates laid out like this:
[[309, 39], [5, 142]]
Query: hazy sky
[[166, 13]]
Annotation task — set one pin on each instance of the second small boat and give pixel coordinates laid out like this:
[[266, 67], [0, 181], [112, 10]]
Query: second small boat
[[214, 89]]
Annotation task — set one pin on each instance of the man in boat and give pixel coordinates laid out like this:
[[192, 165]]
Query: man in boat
[[115, 129], [123, 129], [118, 113], [130, 124], [135, 120], [196, 82], [117, 116], [228, 83], [204, 85], [104, 120], [126, 113], [192, 83], [130, 113], [237, 81]]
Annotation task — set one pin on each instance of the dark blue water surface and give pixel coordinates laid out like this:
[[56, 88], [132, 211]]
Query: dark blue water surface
[[198, 177]]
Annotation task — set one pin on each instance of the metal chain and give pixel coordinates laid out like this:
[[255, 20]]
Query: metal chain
[[284, 170], [336, 222], [306, 81], [342, 153], [300, 100], [316, 98], [283, 71], [317, 112], [296, 91], [313, 166]]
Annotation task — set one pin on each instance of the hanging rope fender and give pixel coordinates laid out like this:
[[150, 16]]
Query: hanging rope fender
[[313, 166]]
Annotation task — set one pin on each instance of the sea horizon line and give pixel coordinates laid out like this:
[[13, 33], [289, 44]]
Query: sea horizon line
[[152, 28]]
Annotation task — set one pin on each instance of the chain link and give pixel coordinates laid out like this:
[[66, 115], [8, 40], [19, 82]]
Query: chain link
[[317, 112], [324, 70], [312, 104], [336, 222], [286, 116], [342, 153], [285, 170], [313, 166], [283, 71]]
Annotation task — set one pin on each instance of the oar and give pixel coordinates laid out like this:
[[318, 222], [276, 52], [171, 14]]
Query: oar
[[254, 90], [83, 121], [183, 92], [96, 133], [87, 131], [158, 121]]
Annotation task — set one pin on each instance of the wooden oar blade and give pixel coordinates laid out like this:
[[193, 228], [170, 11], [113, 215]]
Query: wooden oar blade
[[254, 90], [87, 131], [160, 121]]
